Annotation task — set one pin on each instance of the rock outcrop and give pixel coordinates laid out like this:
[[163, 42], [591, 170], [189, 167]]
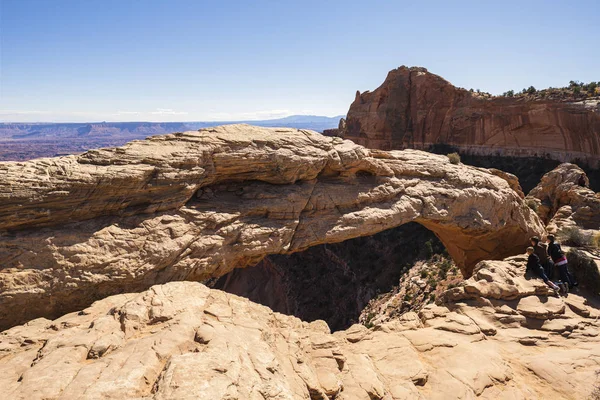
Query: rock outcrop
[[195, 205], [499, 337], [417, 109], [563, 199]]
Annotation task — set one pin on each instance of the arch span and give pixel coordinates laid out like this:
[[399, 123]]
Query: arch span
[[195, 205]]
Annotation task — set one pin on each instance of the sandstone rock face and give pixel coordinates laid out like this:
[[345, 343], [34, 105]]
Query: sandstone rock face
[[182, 340], [565, 200], [416, 109], [195, 205]]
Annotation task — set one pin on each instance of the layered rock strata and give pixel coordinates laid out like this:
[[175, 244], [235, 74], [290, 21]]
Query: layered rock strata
[[194, 205], [414, 108]]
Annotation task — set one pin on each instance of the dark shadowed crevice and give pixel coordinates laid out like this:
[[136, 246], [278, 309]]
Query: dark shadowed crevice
[[529, 170], [333, 282]]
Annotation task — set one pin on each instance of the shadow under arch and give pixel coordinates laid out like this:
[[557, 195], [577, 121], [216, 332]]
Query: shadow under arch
[[335, 282]]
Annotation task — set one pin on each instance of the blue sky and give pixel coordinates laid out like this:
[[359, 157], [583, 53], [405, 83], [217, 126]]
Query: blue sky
[[183, 60]]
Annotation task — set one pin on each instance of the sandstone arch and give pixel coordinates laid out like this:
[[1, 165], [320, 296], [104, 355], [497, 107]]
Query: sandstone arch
[[192, 205]]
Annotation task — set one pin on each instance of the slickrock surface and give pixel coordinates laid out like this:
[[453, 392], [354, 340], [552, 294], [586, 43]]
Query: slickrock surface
[[499, 336], [565, 200], [416, 109], [194, 205]]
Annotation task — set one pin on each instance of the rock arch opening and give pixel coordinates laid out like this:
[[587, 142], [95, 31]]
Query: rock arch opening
[[335, 282]]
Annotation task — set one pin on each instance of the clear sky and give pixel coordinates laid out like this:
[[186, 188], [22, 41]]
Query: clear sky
[[185, 60]]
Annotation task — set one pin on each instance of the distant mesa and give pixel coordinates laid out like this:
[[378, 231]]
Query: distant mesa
[[414, 108], [25, 141]]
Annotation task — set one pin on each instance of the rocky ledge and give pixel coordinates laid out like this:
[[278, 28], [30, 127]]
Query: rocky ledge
[[498, 336], [194, 205]]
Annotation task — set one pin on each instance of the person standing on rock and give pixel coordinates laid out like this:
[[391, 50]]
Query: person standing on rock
[[540, 250], [560, 261], [533, 264]]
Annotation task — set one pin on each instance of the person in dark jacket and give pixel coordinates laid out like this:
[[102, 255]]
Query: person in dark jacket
[[540, 250], [560, 261], [533, 265]]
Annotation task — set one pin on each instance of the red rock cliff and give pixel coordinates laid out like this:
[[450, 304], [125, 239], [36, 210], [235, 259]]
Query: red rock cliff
[[416, 109]]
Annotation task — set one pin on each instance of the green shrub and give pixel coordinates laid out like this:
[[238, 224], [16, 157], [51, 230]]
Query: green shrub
[[531, 203], [428, 249], [407, 297], [443, 274], [575, 237], [368, 321], [531, 90], [431, 297], [424, 274], [454, 158], [577, 89]]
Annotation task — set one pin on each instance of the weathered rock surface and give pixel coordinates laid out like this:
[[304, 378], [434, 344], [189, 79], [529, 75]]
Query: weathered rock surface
[[195, 205], [565, 200], [417, 109], [182, 340]]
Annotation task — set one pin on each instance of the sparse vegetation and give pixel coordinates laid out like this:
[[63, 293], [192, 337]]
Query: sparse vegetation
[[575, 237], [432, 282], [575, 90], [428, 249], [369, 320], [454, 158], [424, 274], [531, 203]]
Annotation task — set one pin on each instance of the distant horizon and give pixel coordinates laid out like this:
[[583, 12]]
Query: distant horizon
[[171, 122], [66, 61]]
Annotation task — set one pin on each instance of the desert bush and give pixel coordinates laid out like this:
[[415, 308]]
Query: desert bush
[[575, 237], [531, 203], [577, 89], [454, 158], [424, 274], [368, 321], [531, 90], [428, 249], [443, 274]]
